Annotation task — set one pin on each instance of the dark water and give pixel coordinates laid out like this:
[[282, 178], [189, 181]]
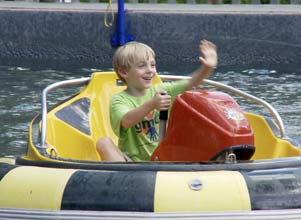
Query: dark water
[[21, 87]]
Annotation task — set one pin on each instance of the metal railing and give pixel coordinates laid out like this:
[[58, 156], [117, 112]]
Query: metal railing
[[256, 100], [42, 214], [215, 84], [234, 2], [70, 82]]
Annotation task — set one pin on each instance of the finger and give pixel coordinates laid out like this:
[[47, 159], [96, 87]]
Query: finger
[[202, 45], [166, 97], [202, 60], [165, 101], [165, 105], [211, 45], [204, 48], [205, 44], [163, 109]]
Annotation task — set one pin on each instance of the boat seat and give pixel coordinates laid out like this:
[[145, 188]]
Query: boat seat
[[90, 108], [75, 126], [268, 145], [106, 84]]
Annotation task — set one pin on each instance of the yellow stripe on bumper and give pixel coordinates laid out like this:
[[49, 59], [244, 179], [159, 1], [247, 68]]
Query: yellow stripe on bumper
[[220, 191], [34, 187]]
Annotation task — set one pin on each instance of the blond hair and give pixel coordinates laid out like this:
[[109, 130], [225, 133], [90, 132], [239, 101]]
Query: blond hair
[[129, 54]]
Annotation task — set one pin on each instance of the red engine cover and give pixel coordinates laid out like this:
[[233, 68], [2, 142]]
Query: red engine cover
[[202, 124]]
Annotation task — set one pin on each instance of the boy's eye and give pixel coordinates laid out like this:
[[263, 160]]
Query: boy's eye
[[141, 64]]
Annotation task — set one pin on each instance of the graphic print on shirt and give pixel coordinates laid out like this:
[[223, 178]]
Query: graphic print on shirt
[[147, 126]]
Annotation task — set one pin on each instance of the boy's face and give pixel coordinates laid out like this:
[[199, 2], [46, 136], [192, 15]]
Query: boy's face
[[141, 74]]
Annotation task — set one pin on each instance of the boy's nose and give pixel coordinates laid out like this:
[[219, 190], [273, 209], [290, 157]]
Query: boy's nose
[[150, 68]]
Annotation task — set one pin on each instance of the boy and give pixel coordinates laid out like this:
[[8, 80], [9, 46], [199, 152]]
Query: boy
[[134, 113]]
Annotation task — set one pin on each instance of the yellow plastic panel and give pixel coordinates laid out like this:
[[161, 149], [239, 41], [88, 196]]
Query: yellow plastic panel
[[268, 146], [34, 187], [221, 190], [101, 89], [71, 143]]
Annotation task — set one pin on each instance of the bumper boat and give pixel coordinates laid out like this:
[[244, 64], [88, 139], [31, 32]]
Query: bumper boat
[[213, 157]]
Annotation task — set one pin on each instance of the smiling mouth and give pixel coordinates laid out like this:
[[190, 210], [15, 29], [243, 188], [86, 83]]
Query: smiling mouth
[[148, 78]]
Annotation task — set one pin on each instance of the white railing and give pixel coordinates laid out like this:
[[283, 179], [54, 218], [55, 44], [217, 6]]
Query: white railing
[[233, 2], [81, 81]]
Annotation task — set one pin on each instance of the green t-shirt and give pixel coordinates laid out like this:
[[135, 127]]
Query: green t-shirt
[[140, 141]]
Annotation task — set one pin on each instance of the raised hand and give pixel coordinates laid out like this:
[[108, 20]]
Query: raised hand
[[209, 55]]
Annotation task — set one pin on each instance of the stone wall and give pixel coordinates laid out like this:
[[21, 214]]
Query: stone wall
[[77, 35]]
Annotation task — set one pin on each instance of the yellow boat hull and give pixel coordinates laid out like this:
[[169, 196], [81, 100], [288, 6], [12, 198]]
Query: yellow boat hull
[[68, 174], [68, 142]]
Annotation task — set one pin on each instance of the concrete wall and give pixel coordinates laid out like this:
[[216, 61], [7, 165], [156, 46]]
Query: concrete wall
[[254, 36]]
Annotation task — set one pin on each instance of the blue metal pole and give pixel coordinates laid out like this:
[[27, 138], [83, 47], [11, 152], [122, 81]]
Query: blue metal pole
[[121, 29], [120, 38]]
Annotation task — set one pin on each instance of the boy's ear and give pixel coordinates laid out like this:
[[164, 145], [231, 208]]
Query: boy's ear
[[122, 73]]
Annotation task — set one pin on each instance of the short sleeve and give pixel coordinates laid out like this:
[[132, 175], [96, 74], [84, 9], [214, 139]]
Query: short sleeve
[[173, 88], [118, 108]]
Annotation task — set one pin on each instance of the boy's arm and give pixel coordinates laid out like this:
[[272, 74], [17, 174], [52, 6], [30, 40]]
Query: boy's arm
[[160, 101], [209, 62]]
